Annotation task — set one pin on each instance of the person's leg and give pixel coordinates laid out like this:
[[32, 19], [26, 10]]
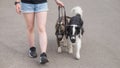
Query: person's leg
[[41, 21], [29, 18]]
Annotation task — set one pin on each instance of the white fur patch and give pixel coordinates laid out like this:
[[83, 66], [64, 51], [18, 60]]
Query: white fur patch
[[59, 50], [78, 47], [70, 46], [77, 10], [73, 30]]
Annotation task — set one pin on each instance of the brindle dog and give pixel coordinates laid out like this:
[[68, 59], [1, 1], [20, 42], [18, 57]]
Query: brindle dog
[[61, 29]]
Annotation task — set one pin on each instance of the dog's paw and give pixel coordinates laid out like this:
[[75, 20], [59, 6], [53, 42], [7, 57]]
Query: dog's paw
[[70, 51], [77, 56], [59, 50]]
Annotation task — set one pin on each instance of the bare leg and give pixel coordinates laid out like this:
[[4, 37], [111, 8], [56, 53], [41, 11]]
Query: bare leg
[[29, 18], [41, 21]]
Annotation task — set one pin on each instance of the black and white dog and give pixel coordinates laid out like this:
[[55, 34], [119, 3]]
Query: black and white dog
[[74, 32]]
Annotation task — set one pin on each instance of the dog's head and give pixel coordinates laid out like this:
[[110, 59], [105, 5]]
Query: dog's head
[[60, 29], [72, 32], [74, 28]]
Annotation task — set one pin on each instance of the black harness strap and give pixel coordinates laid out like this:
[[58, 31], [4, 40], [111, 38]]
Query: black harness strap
[[62, 15]]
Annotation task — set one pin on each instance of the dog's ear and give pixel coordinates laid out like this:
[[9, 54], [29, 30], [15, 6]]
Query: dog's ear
[[82, 30], [77, 30], [81, 22]]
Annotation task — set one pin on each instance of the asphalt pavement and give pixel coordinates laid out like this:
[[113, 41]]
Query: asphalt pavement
[[100, 43]]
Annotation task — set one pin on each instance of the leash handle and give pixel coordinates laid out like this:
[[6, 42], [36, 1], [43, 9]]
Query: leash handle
[[61, 13]]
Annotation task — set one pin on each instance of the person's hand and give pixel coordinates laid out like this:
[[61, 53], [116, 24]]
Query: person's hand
[[59, 3], [18, 8]]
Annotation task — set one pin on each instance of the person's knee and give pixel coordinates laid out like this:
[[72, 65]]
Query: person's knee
[[42, 29], [30, 29]]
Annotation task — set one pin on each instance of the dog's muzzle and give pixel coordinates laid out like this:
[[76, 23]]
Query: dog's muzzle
[[59, 37], [59, 34], [73, 39]]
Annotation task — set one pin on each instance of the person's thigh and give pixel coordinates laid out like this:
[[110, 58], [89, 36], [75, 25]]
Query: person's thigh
[[29, 18], [41, 18], [28, 12]]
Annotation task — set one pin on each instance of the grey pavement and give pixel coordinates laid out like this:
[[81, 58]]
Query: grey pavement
[[100, 44]]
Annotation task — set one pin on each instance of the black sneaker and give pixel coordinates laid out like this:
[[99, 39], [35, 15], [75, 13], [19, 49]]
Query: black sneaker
[[43, 58], [32, 52]]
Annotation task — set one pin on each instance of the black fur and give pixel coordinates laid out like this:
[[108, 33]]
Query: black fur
[[75, 20]]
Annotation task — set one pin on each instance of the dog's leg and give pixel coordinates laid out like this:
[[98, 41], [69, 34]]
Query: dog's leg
[[59, 50], [77, 48], [70, 47], [64, 41]]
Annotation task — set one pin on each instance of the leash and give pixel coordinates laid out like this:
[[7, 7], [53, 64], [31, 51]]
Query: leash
[[62, 15]]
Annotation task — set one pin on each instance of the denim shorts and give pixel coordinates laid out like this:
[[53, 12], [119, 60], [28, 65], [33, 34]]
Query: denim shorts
[[30, 8]]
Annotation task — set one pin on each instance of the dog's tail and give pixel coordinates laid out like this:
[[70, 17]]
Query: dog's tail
[[77, 10]]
